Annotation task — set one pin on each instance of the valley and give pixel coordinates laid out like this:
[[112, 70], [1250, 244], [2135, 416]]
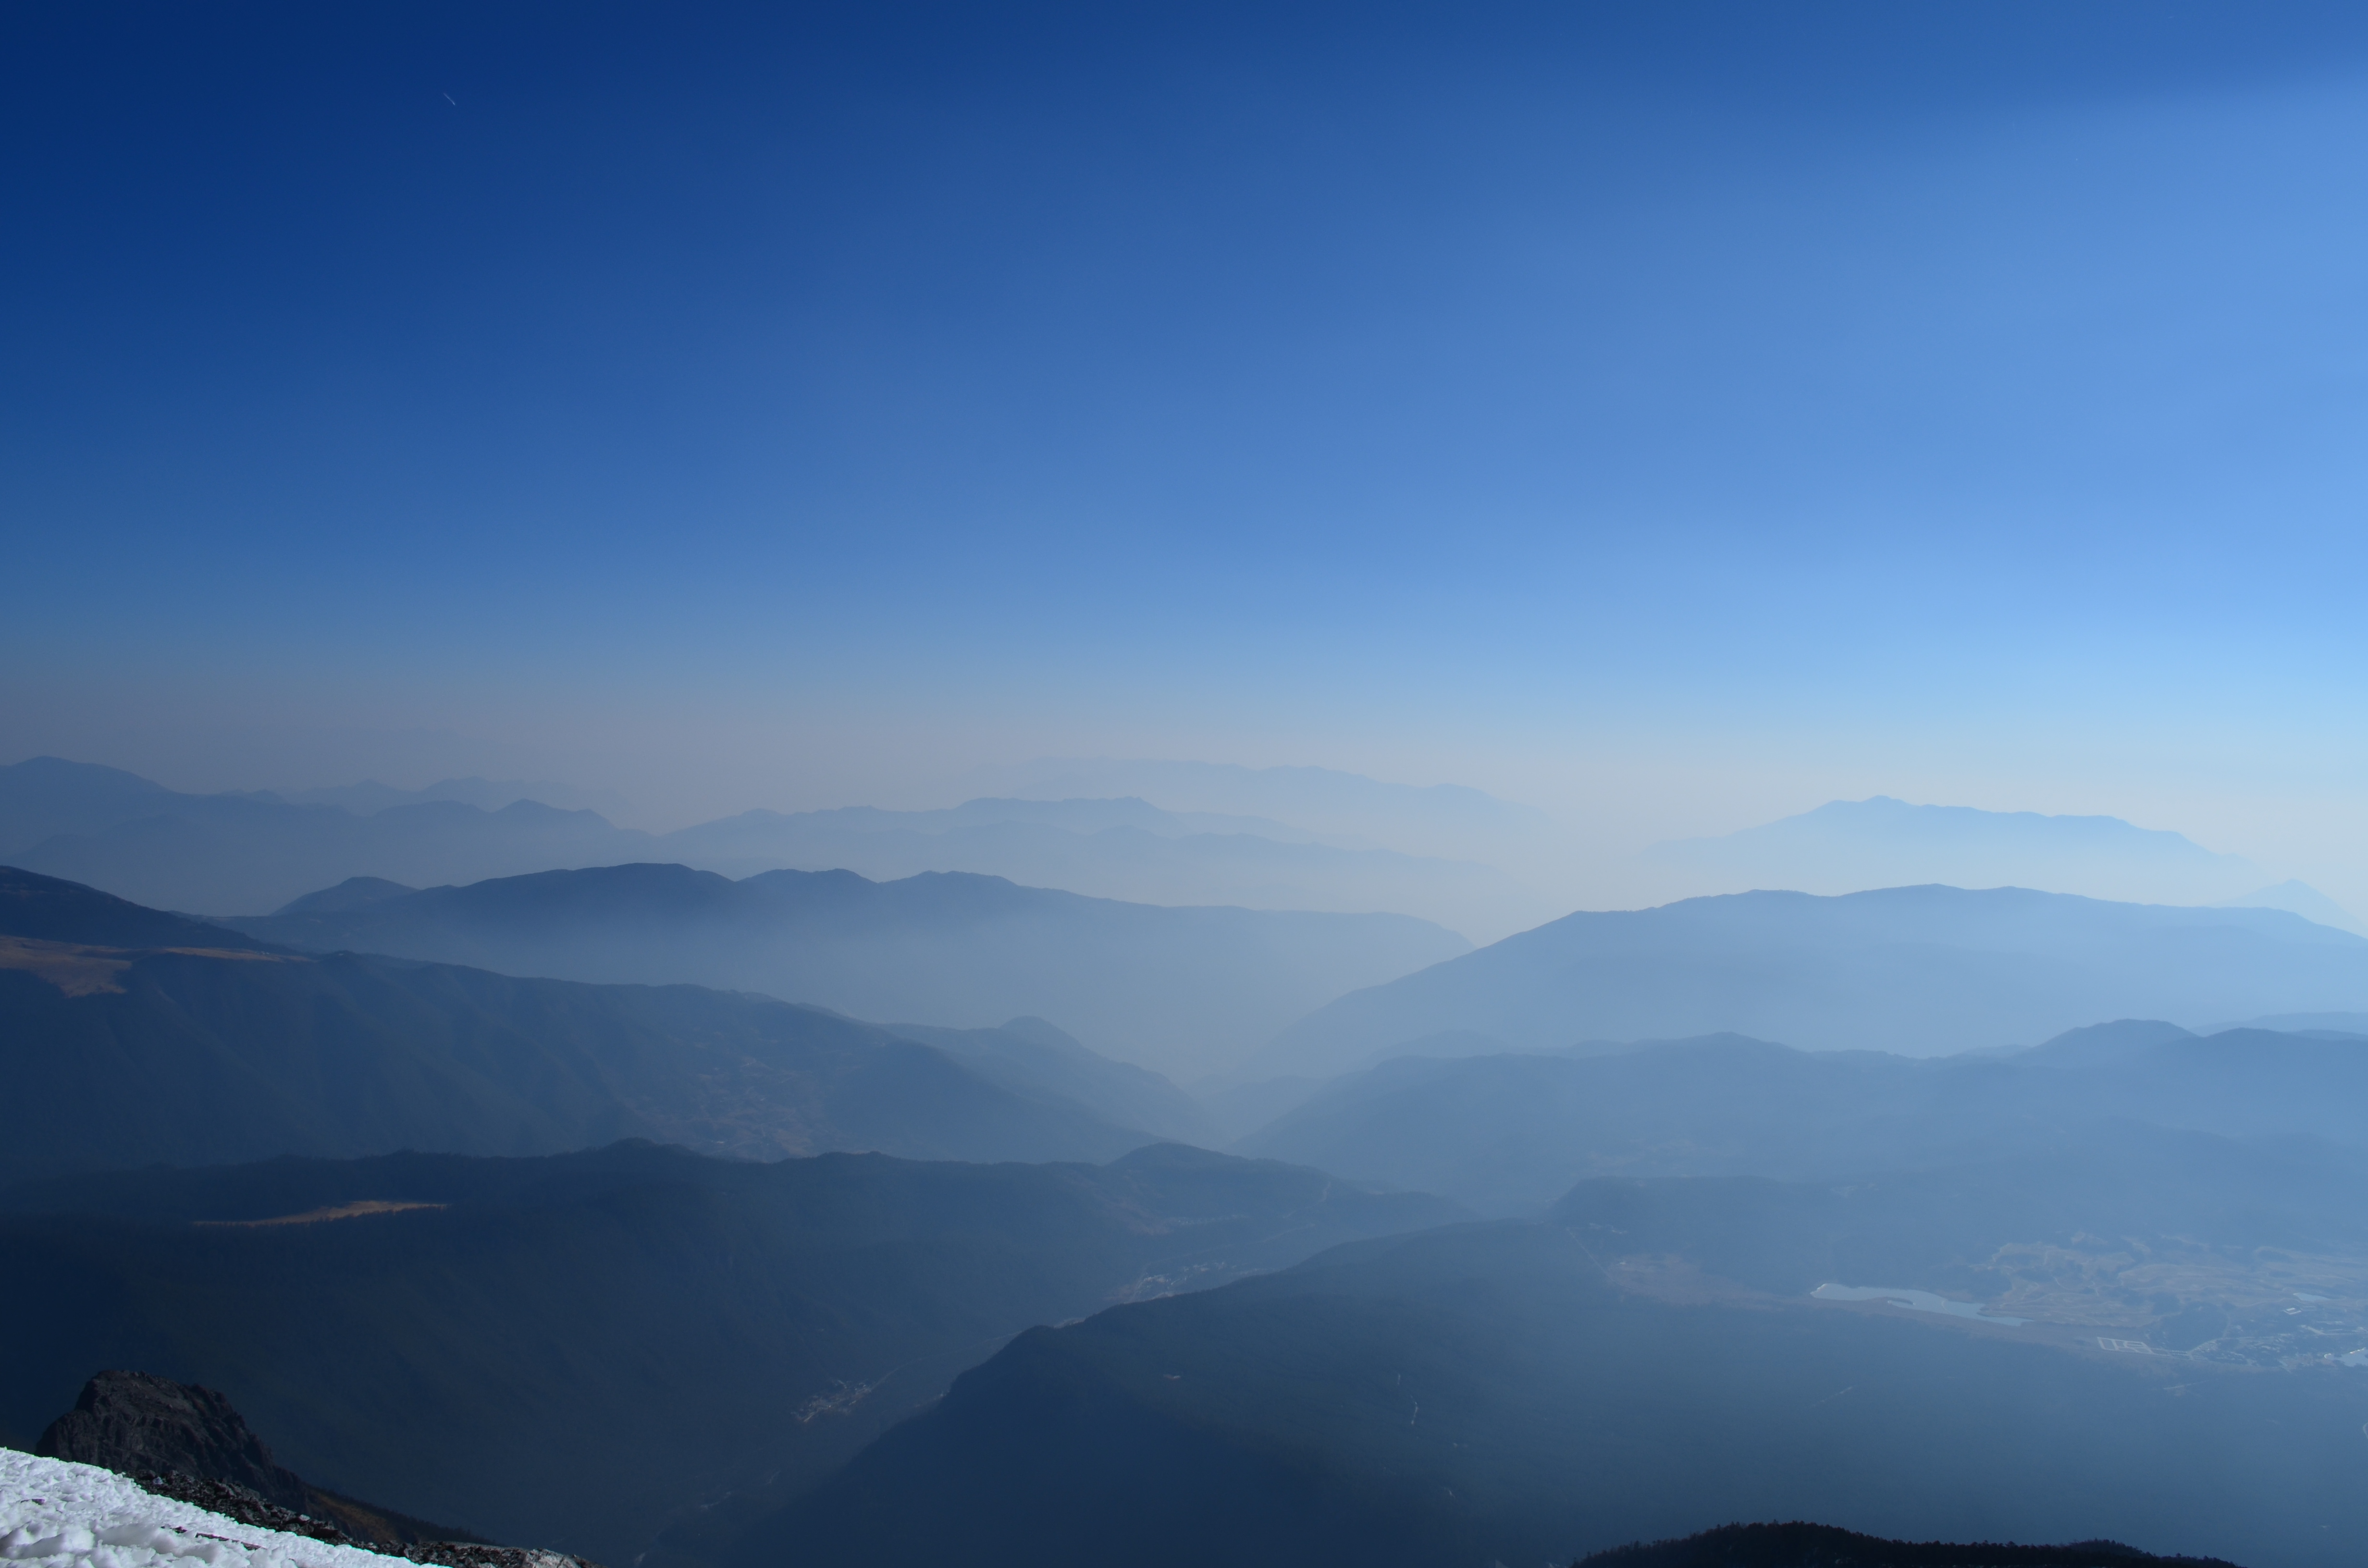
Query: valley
[[640, 1268], [1180, 786]]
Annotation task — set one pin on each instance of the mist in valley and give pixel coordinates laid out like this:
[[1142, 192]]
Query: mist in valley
[[814, 785]]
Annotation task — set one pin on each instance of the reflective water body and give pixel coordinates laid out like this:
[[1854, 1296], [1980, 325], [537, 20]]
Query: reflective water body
[[1916, 1300]]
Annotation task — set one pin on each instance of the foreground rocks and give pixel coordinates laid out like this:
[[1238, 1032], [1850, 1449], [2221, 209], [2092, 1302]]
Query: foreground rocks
[[188, 1443]]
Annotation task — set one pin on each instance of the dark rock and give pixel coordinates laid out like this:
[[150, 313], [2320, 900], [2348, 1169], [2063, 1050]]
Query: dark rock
[[138, 1424], [185, 1442], [1798, 1545], [472, 1554], [235, 1502]]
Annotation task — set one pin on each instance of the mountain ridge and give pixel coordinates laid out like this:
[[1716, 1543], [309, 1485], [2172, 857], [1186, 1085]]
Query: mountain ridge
[[1928, 971], [239, 1050], [245, 852], [617, 1351], [1519, 1391], [1850, 846], [1183, 991], [1504, 1134]]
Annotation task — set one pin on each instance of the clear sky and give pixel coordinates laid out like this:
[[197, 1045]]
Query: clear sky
[[1672, 416]]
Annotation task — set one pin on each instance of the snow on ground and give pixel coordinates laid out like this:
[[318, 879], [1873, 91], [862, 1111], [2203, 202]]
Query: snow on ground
[[58, 1514]]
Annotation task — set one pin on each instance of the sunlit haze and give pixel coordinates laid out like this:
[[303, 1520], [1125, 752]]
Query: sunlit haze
[[1671, 418], [1158, 786]]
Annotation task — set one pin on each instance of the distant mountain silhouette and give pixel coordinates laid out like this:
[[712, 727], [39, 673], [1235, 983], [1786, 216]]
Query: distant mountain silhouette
[[354, 892], [1184, 991], [46, 797], [2105, 1045], [1506, 1133], [1848, 846], [1799, 1545], [1527, 1393], [247, 853], [222, 854], [486, 794], [2298, 1023], [1122, 848], [581, 1350], [2301, 898], [1923, 970], [1441, 819], [215, 1049]]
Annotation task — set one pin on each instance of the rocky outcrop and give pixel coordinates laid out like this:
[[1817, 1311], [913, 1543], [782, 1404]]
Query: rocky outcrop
[[232, 1502], [182, 1441], [138, 1424]]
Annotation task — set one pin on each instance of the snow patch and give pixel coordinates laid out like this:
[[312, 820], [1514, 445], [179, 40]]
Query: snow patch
[[55, 1514]]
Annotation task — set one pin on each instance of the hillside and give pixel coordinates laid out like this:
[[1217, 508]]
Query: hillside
[[1506, 1133], [1519, 1392], [1922, 971], [1182, 991], [190, 1443], [1032, 1057], [43, 909], [199, 1056], [575, 1350]]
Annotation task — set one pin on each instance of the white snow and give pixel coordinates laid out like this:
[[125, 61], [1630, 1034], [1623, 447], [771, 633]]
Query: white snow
[[58, 1514]]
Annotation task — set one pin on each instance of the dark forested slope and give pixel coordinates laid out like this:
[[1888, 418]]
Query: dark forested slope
[[1519, 1392], [575, 1350], [188, 1055]]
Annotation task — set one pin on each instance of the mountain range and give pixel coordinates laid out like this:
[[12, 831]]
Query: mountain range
[[1122, 848], [192, 1045], [594, 1351], [252, 852], [2112, 1284], [1849, 846], [1508, 1134], [486, 794], [1917, 970], [1448, 820], [1524, 1391], [1187, 991], [229, 853]]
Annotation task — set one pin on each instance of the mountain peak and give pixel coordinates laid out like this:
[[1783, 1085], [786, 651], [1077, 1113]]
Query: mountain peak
[[1881, 841]]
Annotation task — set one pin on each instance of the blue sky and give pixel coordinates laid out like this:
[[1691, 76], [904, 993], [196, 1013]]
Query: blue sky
[[1673, 416]]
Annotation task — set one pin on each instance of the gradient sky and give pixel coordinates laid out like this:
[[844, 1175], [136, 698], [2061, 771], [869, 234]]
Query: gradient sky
[[1672, 416]]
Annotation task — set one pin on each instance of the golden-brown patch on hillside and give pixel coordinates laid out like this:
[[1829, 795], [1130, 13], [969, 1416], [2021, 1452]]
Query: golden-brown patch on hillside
[[80, 971], [319, 1216], [76, 970]]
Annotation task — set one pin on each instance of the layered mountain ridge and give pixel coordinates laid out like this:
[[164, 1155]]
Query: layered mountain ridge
[[1918, 971], [245, 853], [1185, 991], [238, 1051]]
